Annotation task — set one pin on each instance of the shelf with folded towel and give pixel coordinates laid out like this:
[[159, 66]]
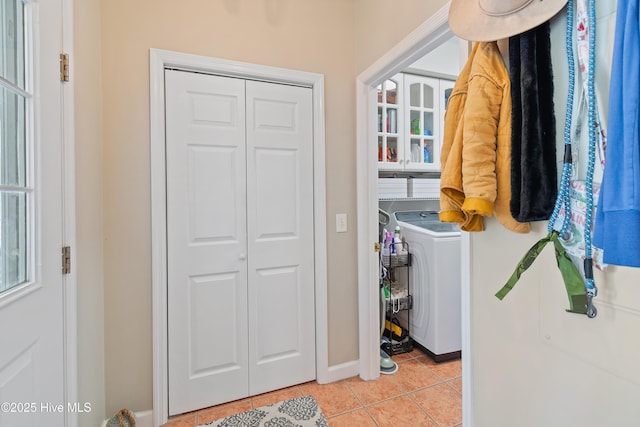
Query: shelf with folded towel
[[408, 188]]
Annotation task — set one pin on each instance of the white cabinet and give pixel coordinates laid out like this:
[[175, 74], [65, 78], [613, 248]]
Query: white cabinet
[[421, 104]]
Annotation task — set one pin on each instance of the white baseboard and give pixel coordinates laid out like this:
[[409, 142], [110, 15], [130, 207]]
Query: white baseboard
[[143, 419], [335, 373], [342, 371]]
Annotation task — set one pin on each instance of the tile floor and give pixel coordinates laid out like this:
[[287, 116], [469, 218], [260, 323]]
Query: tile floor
[[421, 393]]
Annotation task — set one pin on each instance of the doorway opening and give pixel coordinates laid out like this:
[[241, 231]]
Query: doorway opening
[[429, 36]]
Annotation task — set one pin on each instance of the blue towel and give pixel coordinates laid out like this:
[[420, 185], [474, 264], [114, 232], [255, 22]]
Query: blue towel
[[617, 225]]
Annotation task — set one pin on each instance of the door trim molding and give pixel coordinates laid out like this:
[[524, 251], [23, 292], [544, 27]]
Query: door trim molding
[[433, 32], [70, 282], [159, 60]]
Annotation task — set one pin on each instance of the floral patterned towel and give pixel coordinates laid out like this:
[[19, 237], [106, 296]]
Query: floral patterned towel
[[297, 412]]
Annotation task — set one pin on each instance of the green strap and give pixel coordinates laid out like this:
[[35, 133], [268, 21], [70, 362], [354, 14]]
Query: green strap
[[570, 274]]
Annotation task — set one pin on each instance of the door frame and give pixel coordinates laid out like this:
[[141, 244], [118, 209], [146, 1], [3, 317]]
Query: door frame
[[159, 60], [429, 35], [69, 281]]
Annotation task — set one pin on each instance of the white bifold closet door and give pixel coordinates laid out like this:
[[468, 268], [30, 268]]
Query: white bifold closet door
[[241, 308]]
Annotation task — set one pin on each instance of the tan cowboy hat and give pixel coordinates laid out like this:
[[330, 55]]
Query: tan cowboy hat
[[489, 20]]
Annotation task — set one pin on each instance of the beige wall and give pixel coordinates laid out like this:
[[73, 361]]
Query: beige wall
[[313, 36], [380, 25], [331, 37], [533, 363], [316, 36], [86, 72], [519, 357]]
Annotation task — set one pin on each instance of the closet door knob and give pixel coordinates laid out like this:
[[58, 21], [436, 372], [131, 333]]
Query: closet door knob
[[242, 256]]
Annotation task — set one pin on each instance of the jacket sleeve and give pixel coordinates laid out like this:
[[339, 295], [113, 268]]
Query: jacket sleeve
[[481, 115], [451, 195]]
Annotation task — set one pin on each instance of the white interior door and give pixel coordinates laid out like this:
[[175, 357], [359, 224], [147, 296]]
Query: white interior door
[[206, 240], [280, 224], [31, 233], [239, 238]]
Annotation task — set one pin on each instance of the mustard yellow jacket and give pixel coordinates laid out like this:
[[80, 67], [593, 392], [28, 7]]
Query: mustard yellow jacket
[[476, 153]]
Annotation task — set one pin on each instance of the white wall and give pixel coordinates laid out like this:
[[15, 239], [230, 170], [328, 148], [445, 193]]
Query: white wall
[[533, 363], [443, 59]]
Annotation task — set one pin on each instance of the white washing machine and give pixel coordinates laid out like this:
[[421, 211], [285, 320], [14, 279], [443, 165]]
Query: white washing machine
[[435, 282]]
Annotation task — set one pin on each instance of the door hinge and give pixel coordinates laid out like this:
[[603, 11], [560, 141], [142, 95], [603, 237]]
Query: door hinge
[[376, 247], [66, 260], [64, 67]]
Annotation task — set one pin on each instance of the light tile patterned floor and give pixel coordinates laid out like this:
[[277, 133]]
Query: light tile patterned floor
[[421, 393]]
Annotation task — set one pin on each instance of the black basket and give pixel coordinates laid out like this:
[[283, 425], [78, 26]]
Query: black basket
[[398, 347], [402, 260]]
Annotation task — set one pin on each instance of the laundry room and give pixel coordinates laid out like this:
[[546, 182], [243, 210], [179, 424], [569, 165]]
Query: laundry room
[[419, 255]]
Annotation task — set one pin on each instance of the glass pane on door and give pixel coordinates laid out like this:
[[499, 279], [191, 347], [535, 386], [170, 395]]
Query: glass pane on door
[[15, 191], [12, 139], [13, 239], [414, 117], [392, 120], [392, 92], [12, 42], [447, 94], [428, 151], [428, 96], [428, 123], [392, 150], [416, 150], [414, 95]]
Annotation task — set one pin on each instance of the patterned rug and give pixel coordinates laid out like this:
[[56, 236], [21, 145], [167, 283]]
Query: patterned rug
[[297, 412]]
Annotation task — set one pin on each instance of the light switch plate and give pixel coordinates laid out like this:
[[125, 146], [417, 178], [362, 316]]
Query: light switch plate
[[341, 223]]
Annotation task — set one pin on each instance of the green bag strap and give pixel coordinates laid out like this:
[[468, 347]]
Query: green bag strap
[[570, 274]]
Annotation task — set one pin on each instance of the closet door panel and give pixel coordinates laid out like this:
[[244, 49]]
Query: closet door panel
[[206, 240], [277, 291], [280, 235], [278, 214]]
